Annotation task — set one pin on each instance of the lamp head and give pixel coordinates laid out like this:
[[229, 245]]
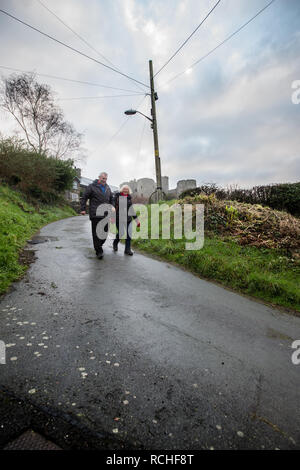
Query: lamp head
[[130, 112]]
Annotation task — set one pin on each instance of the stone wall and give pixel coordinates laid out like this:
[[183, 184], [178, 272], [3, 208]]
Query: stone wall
[[144, 187], [183, 185], [165, 184]]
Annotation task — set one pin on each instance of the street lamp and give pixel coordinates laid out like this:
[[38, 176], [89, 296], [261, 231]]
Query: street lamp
[[153, 121], [130, 112]]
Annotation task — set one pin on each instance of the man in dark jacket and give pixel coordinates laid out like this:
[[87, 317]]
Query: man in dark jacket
[[98, 193]]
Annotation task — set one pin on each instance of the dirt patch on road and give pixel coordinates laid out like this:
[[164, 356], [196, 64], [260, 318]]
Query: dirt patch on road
[[27, 257]]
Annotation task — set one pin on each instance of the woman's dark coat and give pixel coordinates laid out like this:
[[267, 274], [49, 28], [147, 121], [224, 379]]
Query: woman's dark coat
[[116, 203]]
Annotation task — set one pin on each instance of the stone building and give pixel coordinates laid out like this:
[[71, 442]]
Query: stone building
[[183, 185], [144, 187], [165, 184]]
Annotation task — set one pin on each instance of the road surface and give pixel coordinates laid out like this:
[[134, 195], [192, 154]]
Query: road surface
[[148, 354]]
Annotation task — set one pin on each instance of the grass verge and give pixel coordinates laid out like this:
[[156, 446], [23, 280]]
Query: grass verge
[[19, 220], [265, 273]]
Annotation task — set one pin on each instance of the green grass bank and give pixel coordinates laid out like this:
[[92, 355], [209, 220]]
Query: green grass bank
[[19, 220], [256, 261]]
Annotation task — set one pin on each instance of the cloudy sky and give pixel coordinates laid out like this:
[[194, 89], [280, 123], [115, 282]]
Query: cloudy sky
[[228, 120]]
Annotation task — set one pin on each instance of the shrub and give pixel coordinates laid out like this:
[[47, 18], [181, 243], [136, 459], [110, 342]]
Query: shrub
[[41, 177], [283, 197]]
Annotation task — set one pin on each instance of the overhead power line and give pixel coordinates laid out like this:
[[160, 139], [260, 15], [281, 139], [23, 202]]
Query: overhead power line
[[72, 48], [115, 134], [98, 97], [80, 37], [121, 127], [74, 32], [184, 43], [66, 79], [219, 45]]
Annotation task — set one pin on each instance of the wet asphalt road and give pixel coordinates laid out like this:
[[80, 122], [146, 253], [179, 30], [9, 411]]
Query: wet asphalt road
[[146, 352]]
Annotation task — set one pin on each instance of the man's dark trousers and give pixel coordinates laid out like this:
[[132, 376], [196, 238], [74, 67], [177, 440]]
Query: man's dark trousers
[[96, 240]]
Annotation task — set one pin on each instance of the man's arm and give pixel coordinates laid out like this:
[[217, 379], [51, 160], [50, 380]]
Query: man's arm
[[112, 198], [85, 197]]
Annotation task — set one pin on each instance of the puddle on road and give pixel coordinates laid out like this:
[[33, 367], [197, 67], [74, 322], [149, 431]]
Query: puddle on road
[[41, 239]]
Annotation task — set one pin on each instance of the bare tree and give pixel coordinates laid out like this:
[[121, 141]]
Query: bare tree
[[42, 121]]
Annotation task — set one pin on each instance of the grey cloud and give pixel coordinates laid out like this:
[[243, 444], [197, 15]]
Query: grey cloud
[[204, 131]]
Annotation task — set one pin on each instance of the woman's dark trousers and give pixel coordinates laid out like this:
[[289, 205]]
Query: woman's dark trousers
[[121, 228]]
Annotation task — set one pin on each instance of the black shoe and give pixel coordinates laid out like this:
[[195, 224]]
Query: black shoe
[[115, 246], [99, 254], [128, 252]]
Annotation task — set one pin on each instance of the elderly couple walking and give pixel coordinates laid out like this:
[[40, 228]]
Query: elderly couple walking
[[100, 193]]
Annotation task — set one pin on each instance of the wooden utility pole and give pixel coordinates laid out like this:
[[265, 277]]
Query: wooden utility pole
[[154, 97]]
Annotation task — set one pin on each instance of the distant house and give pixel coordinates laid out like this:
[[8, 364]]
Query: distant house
[[80, 183], [73, 195], [84, 183]]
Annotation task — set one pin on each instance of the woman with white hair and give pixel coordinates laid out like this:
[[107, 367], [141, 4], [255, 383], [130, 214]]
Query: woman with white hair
[[123, 220]]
